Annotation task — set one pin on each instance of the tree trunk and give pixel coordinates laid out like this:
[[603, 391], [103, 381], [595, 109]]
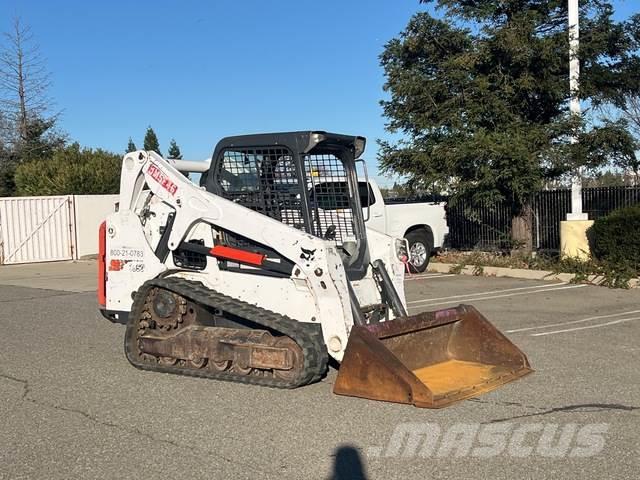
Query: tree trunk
[[22, 122], [521, 230], [19, 70]]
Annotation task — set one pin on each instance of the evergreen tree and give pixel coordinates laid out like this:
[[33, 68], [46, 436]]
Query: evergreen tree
[[480, 97], [151, 141], [131, 147], [70, 170], [174, 150]]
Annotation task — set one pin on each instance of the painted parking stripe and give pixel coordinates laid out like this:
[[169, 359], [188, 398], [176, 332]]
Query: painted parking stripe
[[478, 299], [573, 322], [424, 275], [600, 325], [488, 292], [427, 277]]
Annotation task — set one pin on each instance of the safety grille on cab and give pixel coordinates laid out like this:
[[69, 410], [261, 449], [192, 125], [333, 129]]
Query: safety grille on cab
[[266, 180], [263, 180], [329, 197]]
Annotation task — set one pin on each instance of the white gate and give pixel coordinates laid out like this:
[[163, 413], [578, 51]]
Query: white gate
[[36, 229]]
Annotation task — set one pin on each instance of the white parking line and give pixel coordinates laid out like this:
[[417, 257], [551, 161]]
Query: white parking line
[[423, 275], [622, 320], [573, 322], [488, 292], [427, 277], [531, 292]]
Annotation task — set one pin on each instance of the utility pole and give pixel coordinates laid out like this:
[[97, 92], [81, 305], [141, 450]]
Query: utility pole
[[574, 106], [573, 231]]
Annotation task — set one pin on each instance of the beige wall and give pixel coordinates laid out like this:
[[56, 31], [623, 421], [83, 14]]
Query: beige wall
[[90, 211]]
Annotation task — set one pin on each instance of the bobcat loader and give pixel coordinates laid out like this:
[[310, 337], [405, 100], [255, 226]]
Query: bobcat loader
[[267, 269]]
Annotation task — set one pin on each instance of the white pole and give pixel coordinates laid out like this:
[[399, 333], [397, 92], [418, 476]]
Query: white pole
[[574, 106]]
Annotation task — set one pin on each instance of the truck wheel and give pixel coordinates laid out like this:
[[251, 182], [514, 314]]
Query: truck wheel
[[420, 247]]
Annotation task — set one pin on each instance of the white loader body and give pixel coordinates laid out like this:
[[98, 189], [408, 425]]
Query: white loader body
[[153, 188]]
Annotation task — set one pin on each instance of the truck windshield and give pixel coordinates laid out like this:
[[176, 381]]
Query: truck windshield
[[335, 195]]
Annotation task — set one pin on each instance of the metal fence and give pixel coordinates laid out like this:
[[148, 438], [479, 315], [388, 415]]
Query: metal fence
[[489, 228]]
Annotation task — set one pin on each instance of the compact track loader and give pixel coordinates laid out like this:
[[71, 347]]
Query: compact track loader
[[267, 269]]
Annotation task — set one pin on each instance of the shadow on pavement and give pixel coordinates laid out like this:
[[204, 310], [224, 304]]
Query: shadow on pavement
[[347, 465]]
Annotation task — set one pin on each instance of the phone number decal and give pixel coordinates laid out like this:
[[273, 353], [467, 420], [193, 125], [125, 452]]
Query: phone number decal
[[126, 253]]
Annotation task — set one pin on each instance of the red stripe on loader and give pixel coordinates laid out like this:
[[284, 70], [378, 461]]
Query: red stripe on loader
[[237, 255], [102, 276]]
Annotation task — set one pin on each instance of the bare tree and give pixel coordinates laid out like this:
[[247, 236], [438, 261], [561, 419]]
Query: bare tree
[[24, 82], [631, 111], [5, 130]]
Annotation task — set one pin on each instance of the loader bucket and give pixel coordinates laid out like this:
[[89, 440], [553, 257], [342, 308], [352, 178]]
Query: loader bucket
[[430, 360]]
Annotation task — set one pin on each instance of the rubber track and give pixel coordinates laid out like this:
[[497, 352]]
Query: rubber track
[[307, 335]]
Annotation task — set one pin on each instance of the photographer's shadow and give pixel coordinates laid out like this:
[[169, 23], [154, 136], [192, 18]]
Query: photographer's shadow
[[347, 465]]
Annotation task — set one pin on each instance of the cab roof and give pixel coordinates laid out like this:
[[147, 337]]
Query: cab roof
[[312, 141]]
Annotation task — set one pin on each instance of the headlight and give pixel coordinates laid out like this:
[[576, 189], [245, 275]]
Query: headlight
[[402, 249]]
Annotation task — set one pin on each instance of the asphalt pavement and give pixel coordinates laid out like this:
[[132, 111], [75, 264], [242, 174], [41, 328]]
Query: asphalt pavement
[[72, 407]]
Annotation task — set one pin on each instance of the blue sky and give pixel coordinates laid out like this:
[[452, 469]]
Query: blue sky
[[201, 70]]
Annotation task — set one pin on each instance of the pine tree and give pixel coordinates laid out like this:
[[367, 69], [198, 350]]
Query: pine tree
[[174, 150], [480, 98], [131, 147], [151, 141]]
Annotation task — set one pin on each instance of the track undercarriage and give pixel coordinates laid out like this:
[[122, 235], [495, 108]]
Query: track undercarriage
[[180, 326]]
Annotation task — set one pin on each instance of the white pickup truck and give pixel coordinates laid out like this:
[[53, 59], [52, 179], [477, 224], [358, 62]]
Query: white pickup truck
[[423, 224]]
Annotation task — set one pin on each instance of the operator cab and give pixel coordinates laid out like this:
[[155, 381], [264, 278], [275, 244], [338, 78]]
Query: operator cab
[[305, 179]]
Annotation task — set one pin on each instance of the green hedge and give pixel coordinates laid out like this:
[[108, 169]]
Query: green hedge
[[70, 170], [616, 238]]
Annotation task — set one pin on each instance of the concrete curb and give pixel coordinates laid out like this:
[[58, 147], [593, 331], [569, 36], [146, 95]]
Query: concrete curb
[[437, 267]]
